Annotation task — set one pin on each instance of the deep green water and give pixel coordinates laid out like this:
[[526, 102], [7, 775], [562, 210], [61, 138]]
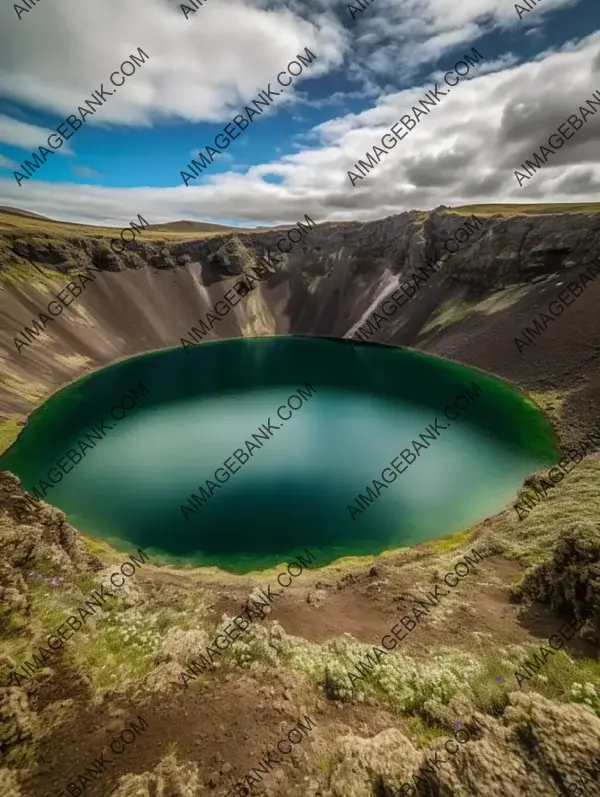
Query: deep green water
[[369, 402]]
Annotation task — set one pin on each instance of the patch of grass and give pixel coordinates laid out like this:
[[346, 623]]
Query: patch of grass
[[326, 765], [552, 404], [423, 734], [28, 228], [421, 218], [445, 315], [451, 312], [49, 606], [98, 548], [86, 582], [452, 541], [558, 678], [49, 610], [526, 209], [575, 499], [17, 647], [171, 749], [488, 692], [117, 653], [9, 431], [18, 274], [21, 757], [503, 299]]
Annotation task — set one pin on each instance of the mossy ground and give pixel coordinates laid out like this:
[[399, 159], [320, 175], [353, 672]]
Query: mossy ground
[[447, 314], [28, 227], [528, 209], [423, 688], [452, 542], [578, 501], [9, 431]]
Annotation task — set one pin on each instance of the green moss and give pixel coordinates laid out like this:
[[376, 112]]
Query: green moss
[[19, 274], [421, 218], [21, 757], [503, 299], [99, 548], [556, 680], [575, 499], [326, 765], [446, 314], [172, 749], [9, 431], [49, 606], [41, 230], [422, 733], [526, 209], [561, 676], [552, 403], [117, 653], [452, 542], [488, 692]]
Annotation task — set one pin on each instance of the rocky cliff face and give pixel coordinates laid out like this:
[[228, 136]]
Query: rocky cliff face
[[471, 308], [33, 537]]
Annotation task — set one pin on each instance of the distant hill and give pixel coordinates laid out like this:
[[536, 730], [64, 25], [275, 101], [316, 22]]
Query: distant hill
[[19, 212], [203, 226], [194, 226], [183, 226]]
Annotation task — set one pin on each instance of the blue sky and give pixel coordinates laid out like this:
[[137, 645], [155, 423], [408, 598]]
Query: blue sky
[[203, 70]]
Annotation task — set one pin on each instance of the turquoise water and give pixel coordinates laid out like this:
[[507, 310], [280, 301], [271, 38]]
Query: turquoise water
[[363, 405]]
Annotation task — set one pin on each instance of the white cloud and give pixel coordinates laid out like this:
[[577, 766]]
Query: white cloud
[[26, 136], [399, 36], [200, 69], [465, 150], [205, 67], [6, 163]]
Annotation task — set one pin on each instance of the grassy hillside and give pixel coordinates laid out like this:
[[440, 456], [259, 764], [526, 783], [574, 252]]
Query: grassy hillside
[[25, 225], [527, 209]]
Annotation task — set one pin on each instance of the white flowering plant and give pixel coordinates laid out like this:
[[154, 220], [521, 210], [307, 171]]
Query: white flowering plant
[[587, 695]]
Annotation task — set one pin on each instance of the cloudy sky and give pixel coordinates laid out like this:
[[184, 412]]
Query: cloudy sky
[[371, 67]]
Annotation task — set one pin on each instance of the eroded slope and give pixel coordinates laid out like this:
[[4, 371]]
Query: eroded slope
[[470, 310]]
